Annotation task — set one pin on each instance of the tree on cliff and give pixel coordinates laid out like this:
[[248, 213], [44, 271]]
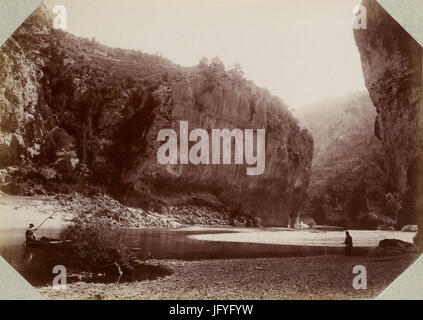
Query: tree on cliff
[[212, 72], [236, 72]]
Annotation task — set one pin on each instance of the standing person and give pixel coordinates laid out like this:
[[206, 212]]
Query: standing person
[[29, 233], [348, 244]]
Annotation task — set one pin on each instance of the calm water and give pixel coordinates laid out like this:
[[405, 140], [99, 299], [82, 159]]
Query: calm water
[[172, 244], [179, 244]]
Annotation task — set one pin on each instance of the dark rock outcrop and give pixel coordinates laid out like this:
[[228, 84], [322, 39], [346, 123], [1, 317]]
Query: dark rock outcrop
[[392, 247], [75, 112], [392, 66]]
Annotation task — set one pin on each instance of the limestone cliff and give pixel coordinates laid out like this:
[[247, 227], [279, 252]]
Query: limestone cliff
[[392, 66], [76, 114]]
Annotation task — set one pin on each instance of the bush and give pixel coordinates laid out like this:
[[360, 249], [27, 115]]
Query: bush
[[96, 245]]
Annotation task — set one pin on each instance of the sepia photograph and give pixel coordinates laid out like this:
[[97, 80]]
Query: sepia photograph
[[211, 150]]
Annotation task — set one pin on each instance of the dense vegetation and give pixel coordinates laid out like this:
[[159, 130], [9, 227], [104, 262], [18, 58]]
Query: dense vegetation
[[97, 246]]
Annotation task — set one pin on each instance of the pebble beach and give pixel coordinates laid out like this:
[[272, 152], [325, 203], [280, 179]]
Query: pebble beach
[[317, 277]]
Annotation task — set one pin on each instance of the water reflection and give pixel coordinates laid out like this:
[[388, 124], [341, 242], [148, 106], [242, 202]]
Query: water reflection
[[175, 244], [153, 243]]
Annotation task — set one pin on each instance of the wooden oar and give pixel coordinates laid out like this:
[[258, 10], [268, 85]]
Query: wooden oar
[[45, 220]]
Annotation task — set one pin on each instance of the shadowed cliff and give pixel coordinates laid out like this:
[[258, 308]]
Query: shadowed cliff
[[392, 66]]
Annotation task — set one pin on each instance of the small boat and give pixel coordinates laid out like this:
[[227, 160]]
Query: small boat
[[45, 243]]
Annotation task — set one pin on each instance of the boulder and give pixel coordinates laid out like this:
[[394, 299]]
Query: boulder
[[409, 228], [396, 245], [392, 247]]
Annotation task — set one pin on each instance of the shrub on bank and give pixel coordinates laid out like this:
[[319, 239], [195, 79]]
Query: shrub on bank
[[97, 246]]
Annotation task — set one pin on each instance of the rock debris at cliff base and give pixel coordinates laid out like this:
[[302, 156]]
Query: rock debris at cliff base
[[16, 211]]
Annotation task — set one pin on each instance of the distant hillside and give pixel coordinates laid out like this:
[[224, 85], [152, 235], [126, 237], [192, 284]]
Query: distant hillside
[[349, 184]]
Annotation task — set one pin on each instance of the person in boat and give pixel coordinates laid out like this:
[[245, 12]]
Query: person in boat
[[348, 244], [30, 232]]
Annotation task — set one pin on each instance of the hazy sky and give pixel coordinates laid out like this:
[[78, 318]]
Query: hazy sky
[[301, 50]]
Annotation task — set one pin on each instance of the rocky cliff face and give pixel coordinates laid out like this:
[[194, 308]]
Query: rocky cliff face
[[76, 114], [21, 119], [392, 67], [280, 190]]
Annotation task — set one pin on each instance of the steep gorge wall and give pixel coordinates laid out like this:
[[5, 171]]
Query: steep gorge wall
[[392, 66], [86, 114], [22, 120]]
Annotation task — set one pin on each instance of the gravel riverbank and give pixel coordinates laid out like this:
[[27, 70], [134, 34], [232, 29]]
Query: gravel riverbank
[[318, 277]]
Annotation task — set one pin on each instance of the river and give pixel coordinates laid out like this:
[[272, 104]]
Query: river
[[207, 242]]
